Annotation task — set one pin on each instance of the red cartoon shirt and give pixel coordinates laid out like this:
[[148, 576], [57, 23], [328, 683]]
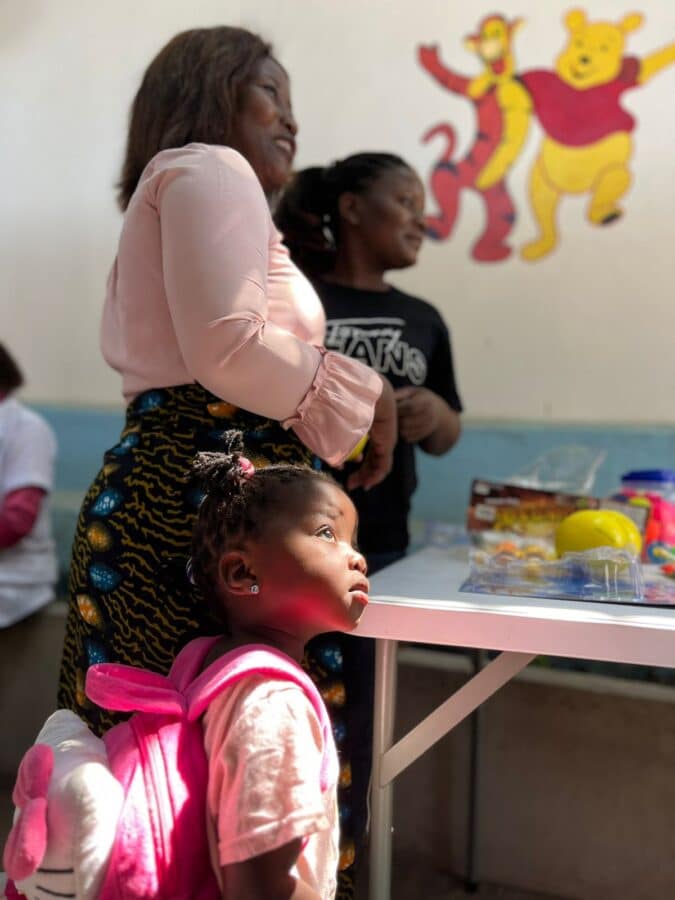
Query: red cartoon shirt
[[578, 117]]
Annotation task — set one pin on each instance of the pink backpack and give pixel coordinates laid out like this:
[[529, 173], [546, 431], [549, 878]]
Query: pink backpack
[[160, 848]]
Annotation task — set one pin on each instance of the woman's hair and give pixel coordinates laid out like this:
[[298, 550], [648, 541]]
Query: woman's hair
[[308, 210], [11, 377], [238, 503], [191, 91]]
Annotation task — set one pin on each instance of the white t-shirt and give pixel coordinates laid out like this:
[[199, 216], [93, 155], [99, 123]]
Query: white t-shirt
[[28, 570], [265, 747]]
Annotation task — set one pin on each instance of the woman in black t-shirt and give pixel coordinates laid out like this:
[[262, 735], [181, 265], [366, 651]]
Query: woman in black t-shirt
[[346, 226]]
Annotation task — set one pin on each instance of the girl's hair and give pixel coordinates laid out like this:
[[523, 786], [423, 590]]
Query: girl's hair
[[11, 377], [191, 91], [308, 210], [238, 503]]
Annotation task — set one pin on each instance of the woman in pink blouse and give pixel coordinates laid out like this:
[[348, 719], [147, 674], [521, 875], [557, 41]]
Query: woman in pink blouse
[[212, 329]]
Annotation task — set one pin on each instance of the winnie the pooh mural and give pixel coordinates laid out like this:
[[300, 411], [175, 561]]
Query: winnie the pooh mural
[[586, 145]]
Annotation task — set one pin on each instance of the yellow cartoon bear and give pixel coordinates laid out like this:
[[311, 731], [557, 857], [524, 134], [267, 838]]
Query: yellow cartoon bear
[[587, 145]]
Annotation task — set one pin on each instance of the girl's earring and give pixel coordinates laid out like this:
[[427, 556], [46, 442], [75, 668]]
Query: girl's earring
[[255, 589]]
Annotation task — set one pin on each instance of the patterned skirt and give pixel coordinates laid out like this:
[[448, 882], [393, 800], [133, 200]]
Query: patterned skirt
[[130, 597]]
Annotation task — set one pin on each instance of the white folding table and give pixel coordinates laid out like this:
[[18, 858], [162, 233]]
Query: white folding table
[[418, 600]]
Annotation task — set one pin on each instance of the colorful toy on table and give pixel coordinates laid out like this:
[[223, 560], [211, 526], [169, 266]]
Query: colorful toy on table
[[528, 556], [357, 452], [604, 574], [655, 490], [591, 528], [597, 557], [521, 551], [499, 511]]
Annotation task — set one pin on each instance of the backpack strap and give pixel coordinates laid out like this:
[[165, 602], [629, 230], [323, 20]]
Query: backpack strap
[[258, 659], [188, 664], [187, 691]]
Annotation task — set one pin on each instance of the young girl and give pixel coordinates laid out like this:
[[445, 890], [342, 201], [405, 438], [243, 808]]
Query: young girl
[[276, 549], [274, 554]]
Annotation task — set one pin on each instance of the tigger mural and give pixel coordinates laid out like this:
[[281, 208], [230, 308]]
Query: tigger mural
[[503, 113], [586, 146]]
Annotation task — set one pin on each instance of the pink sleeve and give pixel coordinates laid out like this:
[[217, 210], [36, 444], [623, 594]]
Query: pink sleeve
[[338, 408], [18, 512], [215, 233]]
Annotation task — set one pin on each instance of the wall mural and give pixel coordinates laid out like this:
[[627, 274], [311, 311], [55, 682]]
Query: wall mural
[[586, 145]]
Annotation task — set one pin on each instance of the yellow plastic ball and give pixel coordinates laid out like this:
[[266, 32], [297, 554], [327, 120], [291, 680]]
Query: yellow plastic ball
[[590, 528], [358, 450]]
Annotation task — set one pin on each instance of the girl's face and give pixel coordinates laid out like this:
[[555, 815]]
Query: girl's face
[[310, 575], [264, 130], [389, 217]]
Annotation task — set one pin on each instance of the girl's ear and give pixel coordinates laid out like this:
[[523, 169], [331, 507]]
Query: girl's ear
[[236, 575]]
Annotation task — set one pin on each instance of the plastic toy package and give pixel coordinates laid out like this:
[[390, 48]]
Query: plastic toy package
[[603, 574], [659, 586], [540, 534], [517, 512], [524, 521], [653, 490]]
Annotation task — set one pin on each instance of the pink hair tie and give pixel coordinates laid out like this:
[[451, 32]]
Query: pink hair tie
[[246, 467]]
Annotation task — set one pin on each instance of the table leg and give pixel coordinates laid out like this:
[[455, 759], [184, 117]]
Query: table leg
[[382, 794], [390, 759], [478, 658], [449, 714]]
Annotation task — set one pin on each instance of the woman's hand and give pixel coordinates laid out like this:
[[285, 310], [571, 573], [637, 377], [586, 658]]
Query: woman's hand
[[418, 411], [425, 418], [380, 450]]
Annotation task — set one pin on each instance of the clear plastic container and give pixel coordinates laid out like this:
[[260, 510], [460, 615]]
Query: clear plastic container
[[569, 469], [655, 490], [651, 481], [603, 574]]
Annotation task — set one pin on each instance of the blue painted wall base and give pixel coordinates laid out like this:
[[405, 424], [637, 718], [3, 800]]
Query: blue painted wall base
[[486, 450]]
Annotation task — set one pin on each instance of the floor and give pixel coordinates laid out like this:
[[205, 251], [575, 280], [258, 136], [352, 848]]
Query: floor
[[487, 892], [411, 880], [435, 886]]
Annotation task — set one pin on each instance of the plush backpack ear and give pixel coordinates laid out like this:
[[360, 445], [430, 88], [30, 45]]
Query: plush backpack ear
[[128, 689], [68, 805], [27, 840], [631, 22], [575, 20]]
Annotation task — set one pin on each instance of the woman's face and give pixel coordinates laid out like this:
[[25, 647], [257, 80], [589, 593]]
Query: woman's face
[[389, 217], [264, 129]]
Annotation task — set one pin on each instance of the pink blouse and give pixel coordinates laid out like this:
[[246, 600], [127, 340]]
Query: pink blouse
[[203, 290]]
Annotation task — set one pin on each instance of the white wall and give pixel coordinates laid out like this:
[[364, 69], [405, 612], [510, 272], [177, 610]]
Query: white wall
[[585, 335]]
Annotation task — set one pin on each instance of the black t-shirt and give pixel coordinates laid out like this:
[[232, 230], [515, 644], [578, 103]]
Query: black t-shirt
[[405, 339]]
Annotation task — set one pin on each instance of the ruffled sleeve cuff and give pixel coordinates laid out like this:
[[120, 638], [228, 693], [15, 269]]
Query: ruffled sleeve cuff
[[337, 410]]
